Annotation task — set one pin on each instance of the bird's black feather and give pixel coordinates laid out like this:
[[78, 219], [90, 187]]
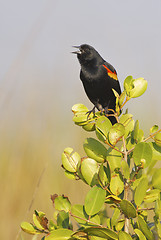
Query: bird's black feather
[[98, 78]]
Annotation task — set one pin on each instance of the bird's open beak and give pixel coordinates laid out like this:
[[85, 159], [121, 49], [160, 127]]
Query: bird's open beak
[[77, 52]]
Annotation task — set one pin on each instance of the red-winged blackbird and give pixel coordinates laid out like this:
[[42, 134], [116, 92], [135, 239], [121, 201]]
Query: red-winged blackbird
[[98, 78]]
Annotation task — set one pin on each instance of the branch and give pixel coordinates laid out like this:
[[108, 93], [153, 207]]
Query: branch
[[136, 173], [146, 139], [126, 100], [113, 147], [126, 187], [151, 136], [145, 209], [86, 220]]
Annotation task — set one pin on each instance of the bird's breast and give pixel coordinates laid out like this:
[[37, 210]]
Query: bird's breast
[[92, 75]]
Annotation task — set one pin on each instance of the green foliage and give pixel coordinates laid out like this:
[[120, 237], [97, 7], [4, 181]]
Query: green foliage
[[119, 168], [94, 200], [128, 209]]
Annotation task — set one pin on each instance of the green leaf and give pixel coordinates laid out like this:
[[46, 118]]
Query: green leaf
[[145, 229], [158, 225], [70, 175], [128, 122], [59, 234], [115, 216], [104, 175], [79, 211], [40, 220], [137, 134], [62, 203], [140, 191], [116, 133], [128, 209], [80, 174], [156, 151], [79, 214], [101, 232], [122, 98], [94, 200], [103, 126], [89, 170], [96, 238], [114, 159], [157, 139], [28, 228], [90, 126], [52, 225], [124, 236], [70, 159], [140, 136], [120, 224], [154, 129], [125, 169], [115, 93], [137, 181], [128, 85], [142, 154], [152, 195], [139, 87], [79, 108], [116, 184], [94, 220], [63, 219], [158, 208], [140, 234], [80, 118], [94, 149], [136, 130], [156, 179], [113, 198]]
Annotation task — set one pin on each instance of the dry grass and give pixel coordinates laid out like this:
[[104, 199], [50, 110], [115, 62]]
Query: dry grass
[[33, 134], [24, 157]]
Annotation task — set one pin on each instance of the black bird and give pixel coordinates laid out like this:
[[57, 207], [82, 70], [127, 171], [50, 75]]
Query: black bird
[[98, 78]]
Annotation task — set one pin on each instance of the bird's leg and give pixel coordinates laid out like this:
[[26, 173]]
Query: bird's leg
[[106, 110], [110, 114], [91, 111]]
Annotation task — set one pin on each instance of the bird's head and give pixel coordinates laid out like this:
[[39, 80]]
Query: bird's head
[[87, 54]]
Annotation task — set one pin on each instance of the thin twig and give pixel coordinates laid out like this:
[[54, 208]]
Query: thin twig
[[86, 220], [108, 190], [126, 100], [146, 139], [126, 187], [136, 173], [145, 209], [151, 136], [113, 147]]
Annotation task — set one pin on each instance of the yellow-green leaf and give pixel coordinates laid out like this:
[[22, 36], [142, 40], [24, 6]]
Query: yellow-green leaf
[[140, 191], [94, 200], [128, 208], [94, 149]]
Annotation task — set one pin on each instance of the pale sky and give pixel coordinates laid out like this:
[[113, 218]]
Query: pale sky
[[37, 38]]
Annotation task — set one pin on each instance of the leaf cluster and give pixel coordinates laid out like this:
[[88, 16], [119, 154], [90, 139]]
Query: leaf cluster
[[119, 168]]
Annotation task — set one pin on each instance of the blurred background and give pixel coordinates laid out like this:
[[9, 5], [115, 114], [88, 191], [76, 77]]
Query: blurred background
[[39, 83]]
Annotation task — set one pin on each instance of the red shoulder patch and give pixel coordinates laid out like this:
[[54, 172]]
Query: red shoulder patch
[[110, 73]]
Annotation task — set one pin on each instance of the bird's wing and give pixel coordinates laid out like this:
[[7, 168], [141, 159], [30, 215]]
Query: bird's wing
[[110, 70], [113, 75]]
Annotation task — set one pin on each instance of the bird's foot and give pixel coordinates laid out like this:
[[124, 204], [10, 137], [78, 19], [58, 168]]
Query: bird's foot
[[108, 111], [111, 115], [91, 111]]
